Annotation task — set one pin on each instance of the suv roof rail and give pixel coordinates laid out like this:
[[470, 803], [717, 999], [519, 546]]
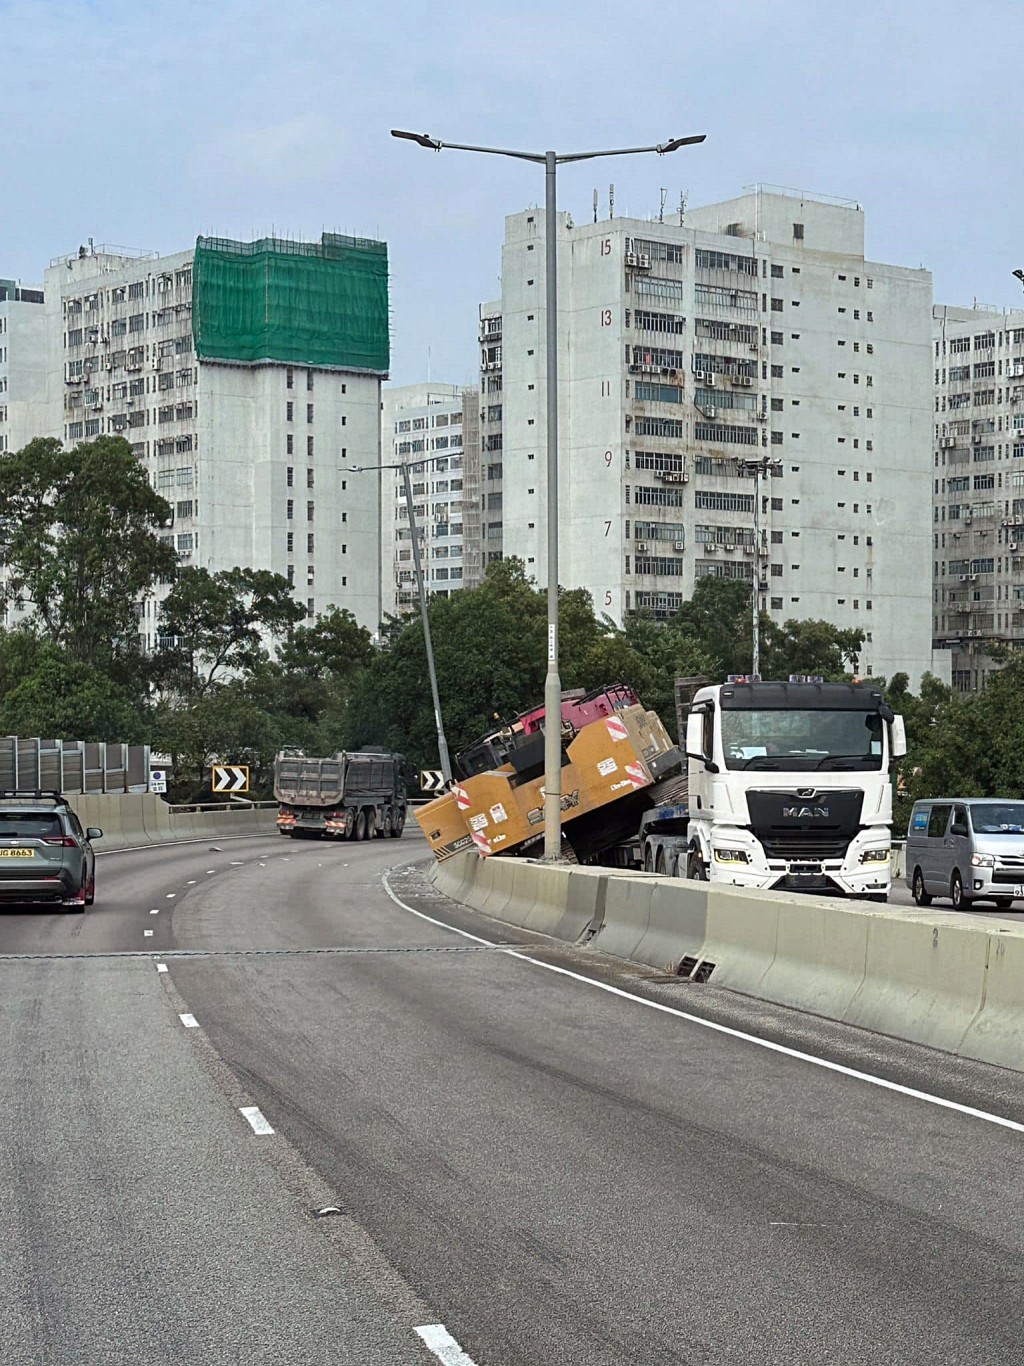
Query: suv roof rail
[[34, 794]]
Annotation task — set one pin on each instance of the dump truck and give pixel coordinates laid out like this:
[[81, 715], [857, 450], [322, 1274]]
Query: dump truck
[[351, 796], [618, 762]]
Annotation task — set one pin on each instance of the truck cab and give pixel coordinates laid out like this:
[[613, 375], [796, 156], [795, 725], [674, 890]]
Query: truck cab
[[789, 786]]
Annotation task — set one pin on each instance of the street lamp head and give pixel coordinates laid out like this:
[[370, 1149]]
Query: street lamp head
[[1019, 275], [424, 139], [674, 144]]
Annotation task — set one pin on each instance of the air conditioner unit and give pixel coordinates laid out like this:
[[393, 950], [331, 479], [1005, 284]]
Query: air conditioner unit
[[963, 578], [1013, 545], [967, 521], [678, 545], [635, 369], [746, 381], [732, 327], [699, 376], [754, 347], [644, 262], [728, 548], [641, 547], [976, 439], [631, 258], [710, 412], [748, 550], [710, 379]]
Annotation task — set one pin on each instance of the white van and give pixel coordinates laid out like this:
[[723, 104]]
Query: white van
[[967, 849]]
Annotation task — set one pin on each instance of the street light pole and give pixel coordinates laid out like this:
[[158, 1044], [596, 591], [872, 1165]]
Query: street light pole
[[552, 681], [760, 469], [442, 742]]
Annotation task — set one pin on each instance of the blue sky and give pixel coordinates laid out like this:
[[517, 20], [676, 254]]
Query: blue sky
[[145, 124]]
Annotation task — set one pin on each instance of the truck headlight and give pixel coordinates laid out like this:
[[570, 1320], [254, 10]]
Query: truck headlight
[[731, 856], [983, 860], [875, 856]]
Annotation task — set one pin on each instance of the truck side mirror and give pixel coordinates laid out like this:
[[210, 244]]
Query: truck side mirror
[[695, 740], [898, 733]]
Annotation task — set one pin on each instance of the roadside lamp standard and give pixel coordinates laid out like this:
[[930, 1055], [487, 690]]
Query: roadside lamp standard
[[552, 683], [758, 469], [442, 743]]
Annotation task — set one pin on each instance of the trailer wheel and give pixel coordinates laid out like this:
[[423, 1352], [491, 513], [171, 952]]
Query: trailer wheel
[[648, 859], [659, 864], [361, 825]]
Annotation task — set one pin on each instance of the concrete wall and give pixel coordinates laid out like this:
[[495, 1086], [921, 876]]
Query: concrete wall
[[132, 821], [949, 981]]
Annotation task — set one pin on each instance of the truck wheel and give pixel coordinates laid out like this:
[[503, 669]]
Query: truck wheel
[[399, 825], [660, 866], [648, 859], [350, 824], [361, 826], [695, 869], [384, 829], [921, 897]]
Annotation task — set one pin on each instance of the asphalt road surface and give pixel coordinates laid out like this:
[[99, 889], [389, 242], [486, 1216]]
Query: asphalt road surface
[[530, 1156]]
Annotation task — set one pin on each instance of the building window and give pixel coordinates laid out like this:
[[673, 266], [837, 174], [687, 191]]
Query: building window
[[310, 539], [309, 511], [290, 509], [289, 411], [309, 412], [309, 381], [290, 445], [289, 378], [290, 476], [798, 232]]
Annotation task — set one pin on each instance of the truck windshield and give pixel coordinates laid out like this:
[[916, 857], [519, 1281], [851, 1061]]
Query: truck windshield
[[1004, 818], [802, 740]]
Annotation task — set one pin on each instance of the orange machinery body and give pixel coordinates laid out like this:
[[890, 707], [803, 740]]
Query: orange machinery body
[[613, 760]]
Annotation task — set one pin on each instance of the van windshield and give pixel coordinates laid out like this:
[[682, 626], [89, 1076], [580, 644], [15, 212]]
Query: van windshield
[[796, 739], [1004, 818]]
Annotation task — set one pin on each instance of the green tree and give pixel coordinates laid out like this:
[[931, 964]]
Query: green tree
[[80, 535], [808, 647], [65, 699], [220, 623], [717, 620]]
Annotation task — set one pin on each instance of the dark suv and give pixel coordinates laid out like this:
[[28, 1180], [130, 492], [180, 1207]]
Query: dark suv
[[45, 855]]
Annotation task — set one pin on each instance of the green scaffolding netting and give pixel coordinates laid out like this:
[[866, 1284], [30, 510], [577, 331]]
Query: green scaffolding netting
[[301, 303]]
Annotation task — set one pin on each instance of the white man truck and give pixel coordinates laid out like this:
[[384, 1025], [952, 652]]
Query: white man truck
[[788, 788]]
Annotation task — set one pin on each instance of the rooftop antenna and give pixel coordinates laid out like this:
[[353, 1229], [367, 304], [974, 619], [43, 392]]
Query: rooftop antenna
[[611, 201], [661, 208], [682, 206], [428, 364], [595, 204]]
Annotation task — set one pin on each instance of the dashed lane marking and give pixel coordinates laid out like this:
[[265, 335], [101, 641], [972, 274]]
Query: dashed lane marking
[[189, 1021], [437, 1337], [256, 1119]]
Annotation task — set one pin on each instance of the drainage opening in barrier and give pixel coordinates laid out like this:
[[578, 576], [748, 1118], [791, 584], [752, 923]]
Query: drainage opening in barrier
[[703, 971], [687, 966]]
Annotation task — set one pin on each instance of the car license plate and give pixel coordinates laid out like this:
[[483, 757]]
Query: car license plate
[[17, 853]]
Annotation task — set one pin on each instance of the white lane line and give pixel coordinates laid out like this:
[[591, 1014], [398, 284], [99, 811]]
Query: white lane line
[[443, 1345], [147, 934], [189, 1021], [161, 967], [210, 870], [237, 863], [882, 1082], [254, 1115], [155, 910], [171, 896], [191, 882]]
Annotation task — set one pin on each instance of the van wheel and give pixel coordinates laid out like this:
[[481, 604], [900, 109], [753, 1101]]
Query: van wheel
[[921, 897], [956, 892]]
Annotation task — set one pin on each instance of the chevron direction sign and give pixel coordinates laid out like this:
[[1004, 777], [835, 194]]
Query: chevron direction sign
[[431, 780], [230, 778]]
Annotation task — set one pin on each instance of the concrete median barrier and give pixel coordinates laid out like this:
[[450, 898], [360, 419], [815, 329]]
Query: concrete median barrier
[[820, 957], [677, 925], [134, 820], [950, 982], [924, 977], [996, 1033]]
